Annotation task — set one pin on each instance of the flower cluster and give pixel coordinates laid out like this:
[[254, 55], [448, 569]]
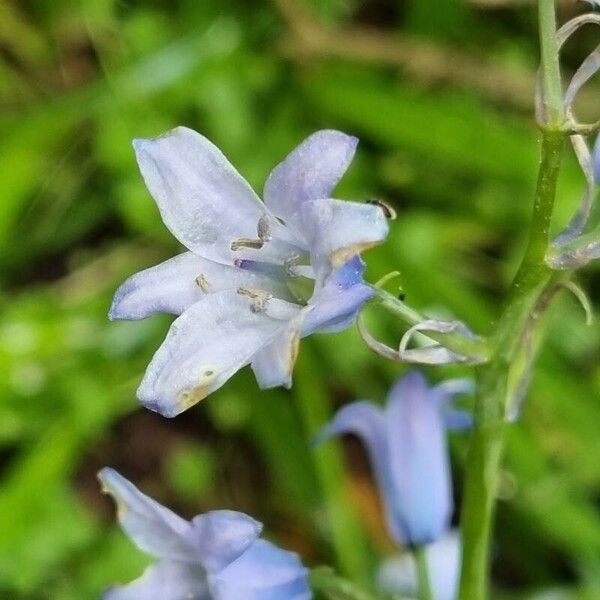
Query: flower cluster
[[257, 277]]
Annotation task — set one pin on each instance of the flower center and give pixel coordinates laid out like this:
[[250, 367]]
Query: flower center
[[294, 270], [300, 287]]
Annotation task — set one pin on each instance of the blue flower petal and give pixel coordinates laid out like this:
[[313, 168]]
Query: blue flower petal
[[367, 421], [309, 172], [166, 580], [337, 230], [335, 306], [202, 199], [263, 572], [221, 536], [205, 346], [419, 460], [153, 528]]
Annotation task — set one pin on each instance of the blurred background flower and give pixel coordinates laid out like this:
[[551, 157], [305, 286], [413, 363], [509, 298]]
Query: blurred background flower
[[442, 103], [407, 447]]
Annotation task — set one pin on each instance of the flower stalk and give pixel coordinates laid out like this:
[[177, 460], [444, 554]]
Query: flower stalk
[[425, 590], [474, 348], [532, 281]]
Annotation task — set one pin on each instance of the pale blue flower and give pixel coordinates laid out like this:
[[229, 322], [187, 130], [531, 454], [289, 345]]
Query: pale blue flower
[[216, 556], [398, 575], [408, 451], [257, 276]]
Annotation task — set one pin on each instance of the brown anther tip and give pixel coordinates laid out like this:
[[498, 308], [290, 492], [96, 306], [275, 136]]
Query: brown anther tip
[[203, 283], [388, 210], [263, 229]]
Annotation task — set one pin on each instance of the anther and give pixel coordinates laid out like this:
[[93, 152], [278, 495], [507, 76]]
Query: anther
[[259, 299], [203, 283], [263, 229], [290, 264], [388, 210]]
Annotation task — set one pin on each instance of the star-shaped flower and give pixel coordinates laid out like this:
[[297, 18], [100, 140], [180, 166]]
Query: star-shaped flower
[[216, 556], [257, 276]]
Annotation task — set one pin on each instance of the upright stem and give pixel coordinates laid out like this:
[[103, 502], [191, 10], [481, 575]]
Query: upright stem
[[425, 590], [493, 397], [550, 65]]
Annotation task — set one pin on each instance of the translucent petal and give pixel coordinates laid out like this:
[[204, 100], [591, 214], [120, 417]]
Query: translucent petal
[[419, 461], [434, 354], [337, 230], [273, 365], [174, 285], [263, 572], [579, 221], [165, 580], [588, 68], [206, 345], [309, 172], [202, 199], [152, 527], [221, 536]]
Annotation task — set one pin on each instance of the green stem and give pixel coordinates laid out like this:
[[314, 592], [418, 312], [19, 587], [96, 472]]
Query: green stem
[[550, 65], [494, 397], [425, 591]]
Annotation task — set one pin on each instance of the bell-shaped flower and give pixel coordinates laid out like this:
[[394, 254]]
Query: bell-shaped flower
[[216, 556], [257, 276], [398, 575], [407, 448]]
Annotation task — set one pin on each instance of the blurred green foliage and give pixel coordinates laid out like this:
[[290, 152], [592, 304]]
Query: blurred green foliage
[[447, 137]]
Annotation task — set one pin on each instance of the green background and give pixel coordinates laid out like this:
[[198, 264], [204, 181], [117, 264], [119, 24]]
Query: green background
[[440, 94]]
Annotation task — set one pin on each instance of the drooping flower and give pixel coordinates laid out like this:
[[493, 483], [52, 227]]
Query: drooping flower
[[398, 575], [216, 556], [408, 452], [257, 276]]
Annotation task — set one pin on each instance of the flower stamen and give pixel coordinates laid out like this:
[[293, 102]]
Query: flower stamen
[[263, 228], [259, 298], [263, 231], [203, 283], [255, 244]]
